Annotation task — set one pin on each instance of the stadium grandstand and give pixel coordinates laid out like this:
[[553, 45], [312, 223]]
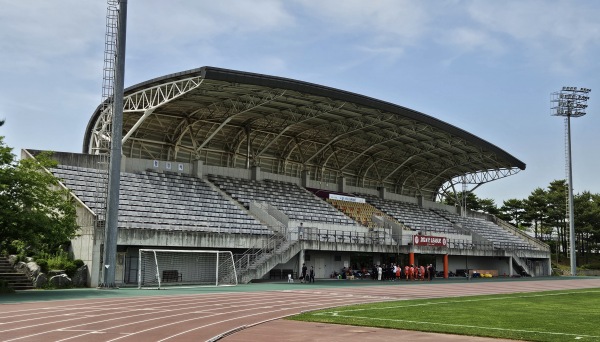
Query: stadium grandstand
[[282, 172]]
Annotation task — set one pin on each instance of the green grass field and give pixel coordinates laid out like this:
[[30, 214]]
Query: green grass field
[[570, 315]]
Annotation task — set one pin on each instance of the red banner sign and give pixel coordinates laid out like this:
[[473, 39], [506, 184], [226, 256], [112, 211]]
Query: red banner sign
[[420, 240]]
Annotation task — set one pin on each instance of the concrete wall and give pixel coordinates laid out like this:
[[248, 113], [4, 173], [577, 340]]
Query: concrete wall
[[501, 264], [83, 244], [325, 263], [187, 239]]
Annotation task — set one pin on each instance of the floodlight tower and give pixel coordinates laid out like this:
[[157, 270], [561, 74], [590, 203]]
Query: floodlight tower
[[570, 102], [112, 91]]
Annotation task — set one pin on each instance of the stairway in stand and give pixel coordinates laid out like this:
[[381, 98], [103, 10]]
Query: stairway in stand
[[16, 280]]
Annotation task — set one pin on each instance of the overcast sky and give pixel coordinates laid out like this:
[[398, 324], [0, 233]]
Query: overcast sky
[[487, 67]]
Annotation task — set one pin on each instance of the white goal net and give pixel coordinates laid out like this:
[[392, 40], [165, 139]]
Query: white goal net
[[161, 268]]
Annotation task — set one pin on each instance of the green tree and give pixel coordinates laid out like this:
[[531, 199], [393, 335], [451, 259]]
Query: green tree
[[471, 200], [515, 210], [587, 223], [33, 208], [488, 205], [536, 210], [557, 210]]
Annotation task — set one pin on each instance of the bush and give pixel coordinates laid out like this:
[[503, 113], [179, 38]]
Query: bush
[[60, 261], [78, 263], [43, 264], [70, 269], [16, 247], [591, 266]]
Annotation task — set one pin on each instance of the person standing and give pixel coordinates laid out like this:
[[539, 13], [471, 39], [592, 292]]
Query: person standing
[[303, 273], [311, 278], [431, 271], [379, 272]]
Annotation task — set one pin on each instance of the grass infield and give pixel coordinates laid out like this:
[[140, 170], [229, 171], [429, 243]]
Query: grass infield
[[570, 315]]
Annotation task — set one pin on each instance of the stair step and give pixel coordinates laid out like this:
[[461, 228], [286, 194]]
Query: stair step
[[15, 280]]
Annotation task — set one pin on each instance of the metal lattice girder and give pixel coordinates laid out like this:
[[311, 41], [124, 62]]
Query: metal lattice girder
[[477, 179], [145, 100], [237, 119], [159, 95]]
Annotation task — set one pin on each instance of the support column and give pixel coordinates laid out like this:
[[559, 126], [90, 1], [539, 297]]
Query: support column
[[341, 184], [300, 261], [255, 173], [198, 168], [304, 177], [382, 192], [445, 266], [411, 258], [420, 201]]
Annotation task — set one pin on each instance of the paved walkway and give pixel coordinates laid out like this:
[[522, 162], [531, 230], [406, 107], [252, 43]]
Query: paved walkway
[[294, 331]]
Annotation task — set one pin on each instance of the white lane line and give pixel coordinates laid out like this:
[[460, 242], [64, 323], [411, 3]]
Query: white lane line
[[467, 326], [465, 301], [120, 318], [171, 301], [234, 302], [267, 309], [250, 315]]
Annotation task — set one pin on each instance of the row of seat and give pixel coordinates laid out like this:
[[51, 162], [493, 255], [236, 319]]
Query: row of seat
[[152, 200], [411, 215], [494, 233], [360, 212], [291, 199]]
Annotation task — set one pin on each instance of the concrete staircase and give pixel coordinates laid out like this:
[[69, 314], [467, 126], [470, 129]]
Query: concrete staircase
[[16, 280], [254, 265], [521, 264]]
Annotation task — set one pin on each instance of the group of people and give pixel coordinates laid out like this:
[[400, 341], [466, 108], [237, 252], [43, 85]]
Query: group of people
[[409, 272], [379, 272], [307, 276]]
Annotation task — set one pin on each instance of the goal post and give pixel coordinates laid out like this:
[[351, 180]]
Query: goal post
[[163, 268]]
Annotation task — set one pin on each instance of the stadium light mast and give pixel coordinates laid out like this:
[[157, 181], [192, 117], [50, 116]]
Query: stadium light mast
[[115, 49], [570, 102]]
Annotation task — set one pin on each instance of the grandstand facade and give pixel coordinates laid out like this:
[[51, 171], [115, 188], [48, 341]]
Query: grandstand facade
[[283, 172]]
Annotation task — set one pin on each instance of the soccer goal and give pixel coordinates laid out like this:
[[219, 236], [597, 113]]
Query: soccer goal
[[161, 268]]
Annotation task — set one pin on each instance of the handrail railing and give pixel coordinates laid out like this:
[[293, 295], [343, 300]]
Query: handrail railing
[[244, 262], [543, 246], [278, 244]]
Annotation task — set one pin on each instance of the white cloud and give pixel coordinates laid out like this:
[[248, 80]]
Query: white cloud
[[469, 39], [554, 32], [41, 34], [392, 24], [158, 22]]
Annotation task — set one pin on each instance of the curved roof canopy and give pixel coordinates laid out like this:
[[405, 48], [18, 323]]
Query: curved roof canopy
[[239, 119]]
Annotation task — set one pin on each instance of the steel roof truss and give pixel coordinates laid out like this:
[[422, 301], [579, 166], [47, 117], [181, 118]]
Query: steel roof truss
[[240, 107]]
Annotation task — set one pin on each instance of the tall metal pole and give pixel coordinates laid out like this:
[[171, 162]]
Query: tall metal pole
[[570, 102], [112, 207], [571, 207]]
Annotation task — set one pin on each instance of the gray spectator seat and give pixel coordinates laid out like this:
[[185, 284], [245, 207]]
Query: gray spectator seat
[[152, 200], [294, 201]]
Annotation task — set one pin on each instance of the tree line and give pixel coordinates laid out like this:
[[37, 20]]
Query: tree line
[[544, 213]]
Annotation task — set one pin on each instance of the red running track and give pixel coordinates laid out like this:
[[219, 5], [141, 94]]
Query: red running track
[[204, 317]]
